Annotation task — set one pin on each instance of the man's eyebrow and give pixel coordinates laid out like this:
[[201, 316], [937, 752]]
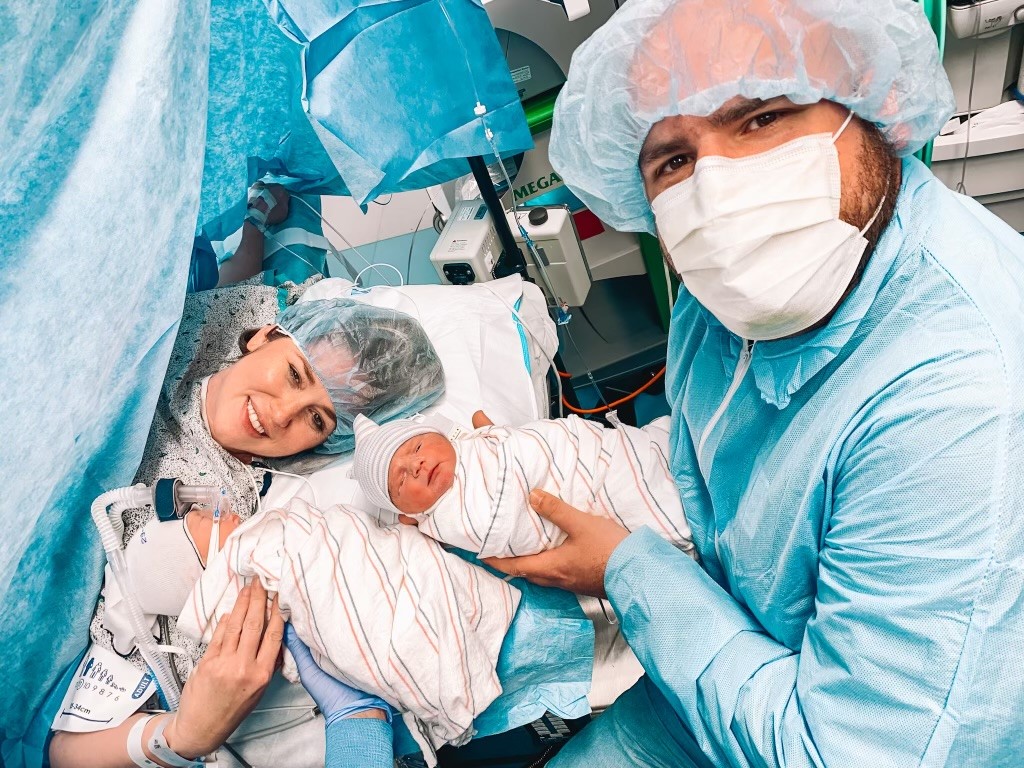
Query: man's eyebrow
[[650, 152], [738, 111]]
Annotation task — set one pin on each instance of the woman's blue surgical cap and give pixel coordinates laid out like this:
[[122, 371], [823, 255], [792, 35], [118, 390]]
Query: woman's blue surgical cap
[[376, 362], [661, 58]]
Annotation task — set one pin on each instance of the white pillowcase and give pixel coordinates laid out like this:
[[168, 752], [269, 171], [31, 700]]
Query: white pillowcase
[[491, 362]]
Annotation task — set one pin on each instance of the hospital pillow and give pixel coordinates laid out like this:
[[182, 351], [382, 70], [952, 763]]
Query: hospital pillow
[[490, 362]]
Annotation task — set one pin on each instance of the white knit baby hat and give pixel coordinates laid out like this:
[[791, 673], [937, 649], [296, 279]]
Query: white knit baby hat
[[375, 446]]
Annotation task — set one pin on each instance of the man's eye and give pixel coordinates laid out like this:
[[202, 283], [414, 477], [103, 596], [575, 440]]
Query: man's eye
[[762, 121], [674, 164], [294, 374]]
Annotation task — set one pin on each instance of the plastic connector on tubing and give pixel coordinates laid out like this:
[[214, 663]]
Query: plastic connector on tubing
[[479, 110]]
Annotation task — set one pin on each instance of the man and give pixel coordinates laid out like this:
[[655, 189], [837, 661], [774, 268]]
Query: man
[[844, 369]]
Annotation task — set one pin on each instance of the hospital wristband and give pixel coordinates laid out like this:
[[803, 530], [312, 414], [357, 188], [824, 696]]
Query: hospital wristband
[[135, 751], [157, 746]]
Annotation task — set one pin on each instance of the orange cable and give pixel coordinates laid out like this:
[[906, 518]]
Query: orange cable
[[620, 401]]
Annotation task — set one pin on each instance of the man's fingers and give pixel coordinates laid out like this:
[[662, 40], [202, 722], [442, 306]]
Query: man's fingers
[[554, 509], [270, 646], [529, 566]]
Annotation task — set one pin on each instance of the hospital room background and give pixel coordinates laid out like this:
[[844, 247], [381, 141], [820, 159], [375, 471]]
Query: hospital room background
[[130, 132]]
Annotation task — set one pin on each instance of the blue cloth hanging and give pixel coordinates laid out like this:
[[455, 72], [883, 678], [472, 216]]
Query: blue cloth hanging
[[392, 87]]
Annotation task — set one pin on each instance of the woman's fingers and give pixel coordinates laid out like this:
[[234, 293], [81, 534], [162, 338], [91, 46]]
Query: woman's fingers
[[270, 646], [254, 619], [230, 628]]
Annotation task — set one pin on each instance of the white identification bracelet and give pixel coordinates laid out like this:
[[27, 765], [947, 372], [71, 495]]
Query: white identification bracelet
[[157, 745]]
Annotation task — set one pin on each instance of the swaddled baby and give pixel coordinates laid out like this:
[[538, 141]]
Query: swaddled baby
[[384, 609], [473, 492]]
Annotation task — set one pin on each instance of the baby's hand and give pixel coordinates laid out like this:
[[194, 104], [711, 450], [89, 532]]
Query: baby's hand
[[480, 419]]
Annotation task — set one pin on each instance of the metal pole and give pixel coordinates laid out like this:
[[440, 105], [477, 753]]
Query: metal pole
[[511, 261]]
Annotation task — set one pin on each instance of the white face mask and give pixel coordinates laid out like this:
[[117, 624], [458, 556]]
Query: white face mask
[[758, 240]]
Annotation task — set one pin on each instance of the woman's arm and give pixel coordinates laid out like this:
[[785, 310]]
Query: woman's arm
[[225, 687], [247, 260]]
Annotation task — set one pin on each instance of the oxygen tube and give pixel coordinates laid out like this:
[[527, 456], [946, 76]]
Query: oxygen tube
[[106, 514]]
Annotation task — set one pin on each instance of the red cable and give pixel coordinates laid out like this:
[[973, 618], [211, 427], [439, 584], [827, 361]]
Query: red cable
[[620, 401]]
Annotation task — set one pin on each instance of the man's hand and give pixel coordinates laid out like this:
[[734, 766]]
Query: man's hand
[[578, 564]]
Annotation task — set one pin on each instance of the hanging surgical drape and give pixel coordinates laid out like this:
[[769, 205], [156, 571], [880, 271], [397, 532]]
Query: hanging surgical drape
[[125, 124]]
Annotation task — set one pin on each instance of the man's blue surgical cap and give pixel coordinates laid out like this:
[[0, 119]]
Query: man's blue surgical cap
[[661, 58], [376, 362]]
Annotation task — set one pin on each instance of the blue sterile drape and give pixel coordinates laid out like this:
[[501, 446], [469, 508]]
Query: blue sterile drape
[[125, 125], [392, 88], [102, 126]]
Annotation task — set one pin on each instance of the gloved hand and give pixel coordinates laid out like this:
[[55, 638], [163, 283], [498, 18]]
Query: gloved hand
[[335, 699]]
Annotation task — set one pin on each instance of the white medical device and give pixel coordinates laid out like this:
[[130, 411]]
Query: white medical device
[[468, 247], [557, 246], [539, 37], [170, 498], [982, 54], [972, 17]]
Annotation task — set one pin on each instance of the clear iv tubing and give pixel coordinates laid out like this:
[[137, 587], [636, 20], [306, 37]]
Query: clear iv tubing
[[106, 515]]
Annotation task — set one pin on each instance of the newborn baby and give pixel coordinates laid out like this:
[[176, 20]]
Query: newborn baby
[[473, 492], [384, 609]]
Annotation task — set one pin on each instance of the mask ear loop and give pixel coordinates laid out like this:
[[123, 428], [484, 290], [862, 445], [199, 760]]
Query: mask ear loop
[[846, 122], [878, 208]]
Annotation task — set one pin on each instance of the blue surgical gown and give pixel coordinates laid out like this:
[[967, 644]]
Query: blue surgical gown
[[859, 513]]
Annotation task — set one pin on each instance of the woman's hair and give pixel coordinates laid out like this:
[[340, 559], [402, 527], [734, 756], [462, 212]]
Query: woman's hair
[[246, 336]]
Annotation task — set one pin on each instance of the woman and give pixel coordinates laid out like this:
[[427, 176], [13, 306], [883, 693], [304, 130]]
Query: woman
[[302, 377]]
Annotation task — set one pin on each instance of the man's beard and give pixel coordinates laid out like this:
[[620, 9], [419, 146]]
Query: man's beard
[[879, 187]]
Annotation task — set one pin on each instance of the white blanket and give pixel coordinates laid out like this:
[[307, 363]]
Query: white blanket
[[618, 473], [386, 610]]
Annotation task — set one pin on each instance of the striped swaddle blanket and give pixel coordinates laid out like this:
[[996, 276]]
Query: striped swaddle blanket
[[384, 609], [619, 473]]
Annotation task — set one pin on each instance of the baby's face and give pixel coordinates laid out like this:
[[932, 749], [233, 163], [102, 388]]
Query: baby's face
[[421, 471]]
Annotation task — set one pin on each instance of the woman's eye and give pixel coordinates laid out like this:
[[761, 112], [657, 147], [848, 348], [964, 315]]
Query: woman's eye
[[294, 374], [762, 121], [318, 422]]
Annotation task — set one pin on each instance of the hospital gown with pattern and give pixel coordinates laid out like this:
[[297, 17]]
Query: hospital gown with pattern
[[859, 513], [619, 473], [384, 609]]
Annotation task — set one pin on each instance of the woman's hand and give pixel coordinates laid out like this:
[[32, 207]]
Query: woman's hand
[[231, 676], [579, 563]]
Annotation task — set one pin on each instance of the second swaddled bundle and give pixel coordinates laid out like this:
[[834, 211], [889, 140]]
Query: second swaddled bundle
[[385, 610]]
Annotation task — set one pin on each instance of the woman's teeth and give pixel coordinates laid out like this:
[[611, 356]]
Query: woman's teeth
[[254, 419]]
